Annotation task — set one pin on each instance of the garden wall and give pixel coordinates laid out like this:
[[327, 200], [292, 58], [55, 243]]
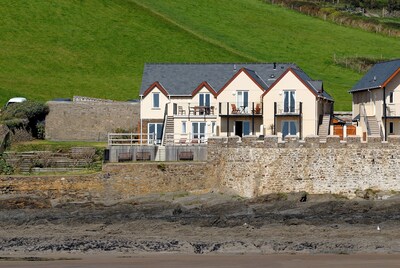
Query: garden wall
[[86, 119]]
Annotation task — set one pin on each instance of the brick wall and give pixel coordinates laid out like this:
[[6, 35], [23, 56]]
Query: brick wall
[[89, 120]]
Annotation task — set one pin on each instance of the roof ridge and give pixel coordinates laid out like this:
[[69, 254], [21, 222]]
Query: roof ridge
[[385, 61]]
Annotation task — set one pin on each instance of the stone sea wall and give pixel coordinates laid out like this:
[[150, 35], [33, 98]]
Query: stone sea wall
[[252, 167], [247, 167]]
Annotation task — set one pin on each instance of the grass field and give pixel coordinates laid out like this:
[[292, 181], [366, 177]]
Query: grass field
[[97, 48]]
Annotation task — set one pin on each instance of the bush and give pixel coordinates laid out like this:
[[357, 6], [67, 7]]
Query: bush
[[4, 167], [29, 115]]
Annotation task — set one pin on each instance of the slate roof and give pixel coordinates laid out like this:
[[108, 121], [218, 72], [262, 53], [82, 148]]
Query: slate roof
[[315, 85], [377, 75], [182, 79]]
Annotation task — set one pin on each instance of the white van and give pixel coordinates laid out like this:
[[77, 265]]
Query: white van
[[15, 100]]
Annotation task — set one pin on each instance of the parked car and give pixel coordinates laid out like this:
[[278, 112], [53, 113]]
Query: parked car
[[15, 100]]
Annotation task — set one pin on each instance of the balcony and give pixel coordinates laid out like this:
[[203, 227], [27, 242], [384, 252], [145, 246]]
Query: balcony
[[240, 110], [185, 109], [393, 110], [283, 109]]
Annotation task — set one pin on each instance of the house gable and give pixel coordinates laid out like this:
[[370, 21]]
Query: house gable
[[290, 70], [378, 76], [250, 74], [204, 85], [153, 86], [391, 78]]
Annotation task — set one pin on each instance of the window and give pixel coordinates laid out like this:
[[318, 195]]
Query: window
[[213, 128], [155, 133], [288, 128], [204, 99], [156, 100], [198, 130], [183, 127], [391, 127], [242, 99], [289, 101], [391, 97]]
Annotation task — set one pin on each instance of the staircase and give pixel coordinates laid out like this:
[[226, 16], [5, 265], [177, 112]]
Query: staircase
[[169, 131], [323, 129], [373, 125]]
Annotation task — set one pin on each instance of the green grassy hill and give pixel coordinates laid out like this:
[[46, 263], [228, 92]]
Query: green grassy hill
[[97, 48]]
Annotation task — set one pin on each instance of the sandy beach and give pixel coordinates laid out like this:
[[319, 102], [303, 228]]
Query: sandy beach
[[210, 261], [209, 230]]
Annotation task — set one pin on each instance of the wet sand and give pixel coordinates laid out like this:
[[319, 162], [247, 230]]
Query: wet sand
[[209, 261]]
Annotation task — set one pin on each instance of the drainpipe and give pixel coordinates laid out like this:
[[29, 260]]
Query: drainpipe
[[141, 121], [384, 112], [275, 118], [252, 120], [301, 119], [227, 120]]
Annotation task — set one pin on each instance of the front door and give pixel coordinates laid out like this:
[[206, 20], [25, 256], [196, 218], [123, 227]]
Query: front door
[[242, 128], [289, 128]]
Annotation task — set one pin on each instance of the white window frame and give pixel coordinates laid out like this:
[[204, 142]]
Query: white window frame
[[391, 97], [214, 128], [184, 127], [199, 135], [290, 105], [156, 94], [205, 97], [154, 140], [289, 123], [241, 100]]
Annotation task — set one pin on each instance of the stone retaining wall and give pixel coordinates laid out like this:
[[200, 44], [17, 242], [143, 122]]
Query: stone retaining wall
[[89, 120], [251, 167], [248, 167]]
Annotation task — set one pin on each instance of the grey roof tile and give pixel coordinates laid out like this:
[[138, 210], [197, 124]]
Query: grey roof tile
[[315, 85], [182, 79], [377, 75]]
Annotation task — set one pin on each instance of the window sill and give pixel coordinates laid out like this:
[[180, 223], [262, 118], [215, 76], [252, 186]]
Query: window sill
[[156, 108]]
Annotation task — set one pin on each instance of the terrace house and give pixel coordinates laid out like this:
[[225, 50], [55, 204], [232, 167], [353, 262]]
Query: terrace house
[[376, 100], [187, 103]]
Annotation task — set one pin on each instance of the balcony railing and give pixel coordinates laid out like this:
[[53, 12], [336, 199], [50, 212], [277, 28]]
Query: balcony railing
[[392, 109], [284, 109], [191, 109], [130, 139], [240, 109], [187, 139]]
